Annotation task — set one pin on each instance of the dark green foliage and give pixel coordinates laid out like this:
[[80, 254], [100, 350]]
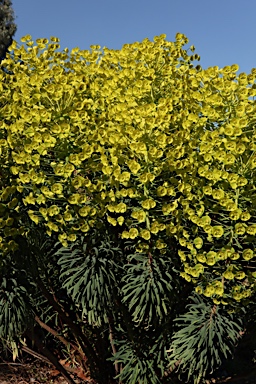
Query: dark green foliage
[[143, 359], [14, 311], [129, 313], [88, 272], [7, 26], [149, 288], [205, 336]]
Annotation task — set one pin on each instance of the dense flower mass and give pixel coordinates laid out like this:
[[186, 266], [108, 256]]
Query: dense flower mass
[[139, 139]]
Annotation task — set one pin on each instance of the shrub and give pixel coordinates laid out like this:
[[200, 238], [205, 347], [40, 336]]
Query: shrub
[[145, 163]]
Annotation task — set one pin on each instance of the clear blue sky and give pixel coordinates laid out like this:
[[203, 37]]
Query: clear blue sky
[[223, 31]]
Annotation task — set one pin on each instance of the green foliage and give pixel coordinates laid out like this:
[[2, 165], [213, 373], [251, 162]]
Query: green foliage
[[205, 336], [14, 312], [88, 271]]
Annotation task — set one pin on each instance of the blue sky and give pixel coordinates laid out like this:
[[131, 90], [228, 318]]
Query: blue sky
[[223, 31]]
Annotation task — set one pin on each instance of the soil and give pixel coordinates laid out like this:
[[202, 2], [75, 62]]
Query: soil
[[33, 371]]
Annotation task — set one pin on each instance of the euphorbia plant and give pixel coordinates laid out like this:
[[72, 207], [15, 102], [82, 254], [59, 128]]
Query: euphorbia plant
[[143, 145]]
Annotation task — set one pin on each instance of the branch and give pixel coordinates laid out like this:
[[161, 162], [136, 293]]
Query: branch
[[56, 334], [50, 356], [111, 338], [85, 344]]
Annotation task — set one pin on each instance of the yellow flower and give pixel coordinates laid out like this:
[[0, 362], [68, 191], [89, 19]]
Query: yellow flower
[[139, 215], [231, 206], [245, 216], [46, 191], [124, 177], [30, 199], [168, 208], [229, 130], [134, 166], [199, 268], [111, 208], [201, 258], [240, 148], [182, 255], [9, 222], [237, 296], [121, 208], [208, 229], [199, 290], [171, 191], [13, 203], [107, 170], [123, 192], [240, 229], [209, 291], [143, 178], [211, 254], [195, 219], [82, 199], [247, 254], [251, 230], [229, 159], [67, 216], [161, 191], [93, 211], [120, 220], [217, 231], [242, 181], [240, 275], [68, 169], [210, 260], [150, 177], [44, 212], [71, 237], [207, 190], [160, 244], [131, 192], [204, 220], [52, 226], [145, 234], [25, 38], [219, 291], [148, 204], [14, 170], [111, 220], [183, 242], [234, 215], [77, 182], [198, 241], [74, 199], [53, 210], [133, 233], [234, 256], [218, 194], [228, 274], [125, 235], [185, 276], [85, 227], [84, 211], [222, 255], [62, 238], [24, 177]]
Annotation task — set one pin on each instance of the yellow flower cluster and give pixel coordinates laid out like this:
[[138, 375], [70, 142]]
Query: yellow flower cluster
[[136, 138]]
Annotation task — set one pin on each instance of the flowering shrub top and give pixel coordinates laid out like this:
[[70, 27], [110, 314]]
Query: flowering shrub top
[[139, 139]]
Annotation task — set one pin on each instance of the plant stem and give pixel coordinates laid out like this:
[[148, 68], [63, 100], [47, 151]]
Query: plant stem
[[50, 356]]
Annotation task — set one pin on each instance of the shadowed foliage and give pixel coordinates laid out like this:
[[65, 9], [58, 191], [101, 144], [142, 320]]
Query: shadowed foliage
[[7, 26]]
